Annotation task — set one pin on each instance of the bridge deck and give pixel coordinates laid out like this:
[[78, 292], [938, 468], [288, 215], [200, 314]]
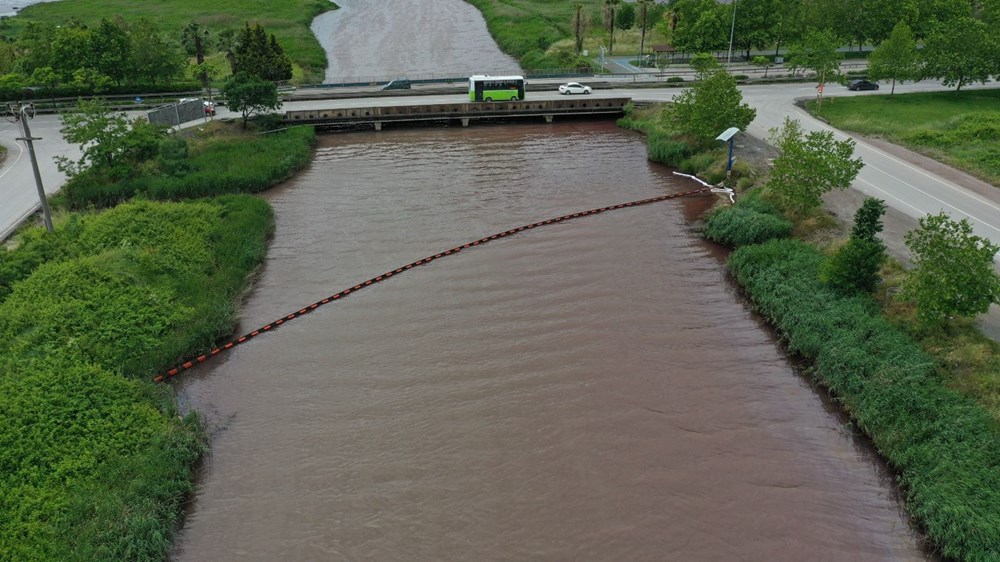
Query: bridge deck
[[466, 112]]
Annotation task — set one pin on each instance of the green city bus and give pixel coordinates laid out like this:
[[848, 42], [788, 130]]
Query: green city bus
[[496, 88]]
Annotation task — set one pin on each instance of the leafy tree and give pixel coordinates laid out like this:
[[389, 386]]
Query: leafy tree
[[227, 42], [256, 53], [91, 80], [854, 267], [880, 17], [954, 274], [708, 33], [7, 57], [808, 166], [896, 58], [960, 51], [72, 49], [755, 24], [250, 94], [705, 65], [763, 62], [817, 52], [643, 23], [153, 59], [46, 77], [626, 16], [107, 141], [34, 47], [711, 106], [111, 49]]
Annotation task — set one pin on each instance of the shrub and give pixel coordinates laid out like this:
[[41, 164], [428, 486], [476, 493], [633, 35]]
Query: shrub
[[664, 148], [675, 79], [749, 221]]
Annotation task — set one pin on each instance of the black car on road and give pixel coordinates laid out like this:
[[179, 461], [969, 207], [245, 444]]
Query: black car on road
[[862, 85]]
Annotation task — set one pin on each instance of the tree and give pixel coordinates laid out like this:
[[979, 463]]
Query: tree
[[643, 22], [895, 58], [960, 51], [227, 42], [954, 273], [626, 16], [581, 22], [194, 38], [250, 94], [763, 62], [154, 59], [256, 53], [609, 20], [755, 24], [817, 52], [808, 166], [854, 267], [107, 141], [111, 49], [46, 77], [711, 106]]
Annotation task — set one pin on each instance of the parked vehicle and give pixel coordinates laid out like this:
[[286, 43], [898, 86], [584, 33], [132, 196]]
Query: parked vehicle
[[574, 88], [862, 85], [397, 85]]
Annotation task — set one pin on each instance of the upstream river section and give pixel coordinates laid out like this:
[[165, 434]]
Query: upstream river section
[[591, 390], [370, 41]]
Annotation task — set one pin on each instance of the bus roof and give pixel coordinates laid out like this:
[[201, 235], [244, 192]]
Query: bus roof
[[488, 77]]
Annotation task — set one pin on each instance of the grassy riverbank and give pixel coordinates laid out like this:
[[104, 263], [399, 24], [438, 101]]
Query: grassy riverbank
[[289, 20], [959, 128], [95, 462], [927, 398]]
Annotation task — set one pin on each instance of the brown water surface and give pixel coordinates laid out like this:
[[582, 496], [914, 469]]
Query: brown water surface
[[592, 390], [416, 39]]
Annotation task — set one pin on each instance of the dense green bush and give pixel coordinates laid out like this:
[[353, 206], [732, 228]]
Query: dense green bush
[[675, 79], [664, 148], [94, 461], [227, 165], [750, 221], [945, 447]]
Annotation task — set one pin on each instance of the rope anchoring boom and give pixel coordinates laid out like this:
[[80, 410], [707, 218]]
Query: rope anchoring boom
[[337, 296]]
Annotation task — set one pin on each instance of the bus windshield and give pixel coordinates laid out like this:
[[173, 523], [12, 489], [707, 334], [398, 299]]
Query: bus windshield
[[496, 88]]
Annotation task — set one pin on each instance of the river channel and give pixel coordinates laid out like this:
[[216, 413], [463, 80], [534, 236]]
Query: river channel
[[591, 390]]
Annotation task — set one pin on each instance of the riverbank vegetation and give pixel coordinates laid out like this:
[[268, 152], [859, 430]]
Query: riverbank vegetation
[[168, 25], [897, 348], [959, 128], [121, 160], [95, 460]]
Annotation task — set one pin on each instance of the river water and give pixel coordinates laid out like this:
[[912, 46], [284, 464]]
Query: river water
[[592, 390], [369, 41]]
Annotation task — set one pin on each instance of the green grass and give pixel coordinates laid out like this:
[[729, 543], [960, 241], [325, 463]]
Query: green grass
[[95, 462], [288, 20], [959, 128]]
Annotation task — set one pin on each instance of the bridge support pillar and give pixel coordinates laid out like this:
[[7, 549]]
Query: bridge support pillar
[[548, 118], [378, 125], [465, 121]]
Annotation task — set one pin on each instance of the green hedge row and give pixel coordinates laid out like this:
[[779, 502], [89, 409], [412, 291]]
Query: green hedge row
[[94, 460], [7, 94], [245, 164], [945, 447]]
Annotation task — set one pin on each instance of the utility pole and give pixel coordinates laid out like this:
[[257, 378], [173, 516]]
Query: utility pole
[[732, 28], [21, 114]]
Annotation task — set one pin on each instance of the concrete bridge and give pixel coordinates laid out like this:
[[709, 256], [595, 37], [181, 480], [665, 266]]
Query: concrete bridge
[[465, 112]]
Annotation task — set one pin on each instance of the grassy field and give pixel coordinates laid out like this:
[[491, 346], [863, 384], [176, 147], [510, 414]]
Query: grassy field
[[288, 19], [961, 129]]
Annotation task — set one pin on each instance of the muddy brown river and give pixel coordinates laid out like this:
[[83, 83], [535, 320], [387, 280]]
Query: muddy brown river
[[591, 390]]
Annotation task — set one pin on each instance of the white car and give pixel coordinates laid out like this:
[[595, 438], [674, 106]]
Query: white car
[[574, 88]]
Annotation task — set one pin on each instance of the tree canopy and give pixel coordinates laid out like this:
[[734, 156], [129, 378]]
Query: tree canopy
[[711, 106]]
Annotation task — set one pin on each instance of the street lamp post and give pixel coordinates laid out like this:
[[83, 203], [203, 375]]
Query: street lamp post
[[22, 114], [732, 28]]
